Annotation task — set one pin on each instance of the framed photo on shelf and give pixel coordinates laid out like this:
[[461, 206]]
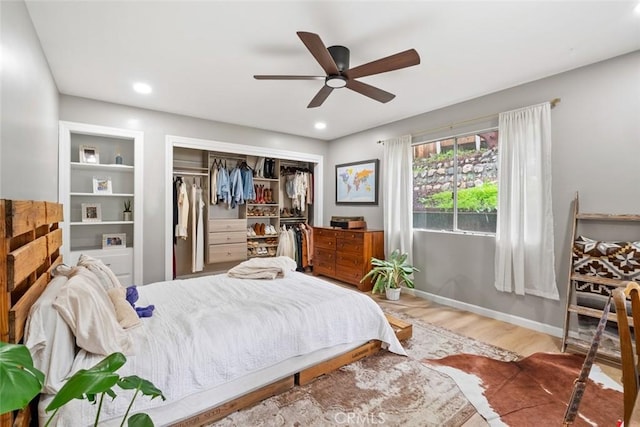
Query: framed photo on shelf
[[102, 185], [114, 241], [91, 212], [357, 183], [89, 154]]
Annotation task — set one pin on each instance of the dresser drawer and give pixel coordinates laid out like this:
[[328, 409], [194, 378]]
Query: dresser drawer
[[324, 232], [349, 274], [230, 252], [326, 268], [229, 237], [325, 242], [220, 225], [344, 245], [351, 236], [350, 260], [325, 255]]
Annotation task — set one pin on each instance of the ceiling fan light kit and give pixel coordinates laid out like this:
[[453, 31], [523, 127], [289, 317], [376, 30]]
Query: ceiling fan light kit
[[334, 60]]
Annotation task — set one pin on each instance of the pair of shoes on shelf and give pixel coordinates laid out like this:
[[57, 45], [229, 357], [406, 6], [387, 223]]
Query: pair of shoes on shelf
[[259, 228], [270, 230], [251, 232], [262, 251]]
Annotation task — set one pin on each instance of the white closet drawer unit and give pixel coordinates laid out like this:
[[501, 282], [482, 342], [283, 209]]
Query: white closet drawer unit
[[120, 261], [230, 252], [230, 237], [227, 240], [226, 225]]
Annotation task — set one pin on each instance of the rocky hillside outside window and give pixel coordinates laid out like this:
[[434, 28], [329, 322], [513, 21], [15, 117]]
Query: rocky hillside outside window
[[455, 183]]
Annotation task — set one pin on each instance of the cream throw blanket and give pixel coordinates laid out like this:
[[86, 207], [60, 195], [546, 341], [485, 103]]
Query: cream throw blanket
[[263, 268]]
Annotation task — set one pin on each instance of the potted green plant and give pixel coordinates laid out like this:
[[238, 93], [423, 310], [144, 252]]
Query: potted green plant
[[389, 275], [20, 382], [127, 215]]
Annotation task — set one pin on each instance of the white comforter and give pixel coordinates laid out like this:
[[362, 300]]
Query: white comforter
[[209, 330]]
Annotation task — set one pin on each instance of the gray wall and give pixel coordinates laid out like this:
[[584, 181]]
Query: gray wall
[[596, 151], [29, 111], [156, 125]]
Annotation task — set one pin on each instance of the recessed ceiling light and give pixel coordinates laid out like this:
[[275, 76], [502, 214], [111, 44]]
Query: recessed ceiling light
[[320, 125], [142, 88]]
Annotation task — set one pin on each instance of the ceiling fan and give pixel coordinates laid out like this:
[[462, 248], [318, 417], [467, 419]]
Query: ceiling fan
[[335, 62]]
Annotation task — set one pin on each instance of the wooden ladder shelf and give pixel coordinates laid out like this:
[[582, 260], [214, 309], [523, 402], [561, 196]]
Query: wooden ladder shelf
[[572, 306]]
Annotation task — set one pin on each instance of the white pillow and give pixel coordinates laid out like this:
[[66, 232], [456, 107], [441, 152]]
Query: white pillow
[[125, 313], [85, 305], [49, 339], [104, 274]]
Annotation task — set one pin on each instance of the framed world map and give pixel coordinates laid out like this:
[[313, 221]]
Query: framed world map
[[357, 183]]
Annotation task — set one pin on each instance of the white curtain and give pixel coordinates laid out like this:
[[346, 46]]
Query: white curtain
[[398, 195], [524, 261]]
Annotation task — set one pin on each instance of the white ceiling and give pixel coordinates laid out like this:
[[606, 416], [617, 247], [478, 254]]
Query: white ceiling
[[200, 57]]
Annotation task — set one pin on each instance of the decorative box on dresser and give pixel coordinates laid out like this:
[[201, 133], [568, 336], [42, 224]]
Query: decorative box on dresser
[[345, 255]]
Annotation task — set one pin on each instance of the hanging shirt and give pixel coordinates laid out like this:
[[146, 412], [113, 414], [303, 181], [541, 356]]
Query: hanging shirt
[[198, 258], [223, 185], [213, 184], [183, 212], [236, 189], [249, 193]]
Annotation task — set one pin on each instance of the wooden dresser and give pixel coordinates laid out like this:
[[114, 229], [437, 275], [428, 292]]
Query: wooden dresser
[[345, 255]]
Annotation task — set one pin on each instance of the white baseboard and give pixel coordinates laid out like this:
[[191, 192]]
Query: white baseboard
[[509, 318]]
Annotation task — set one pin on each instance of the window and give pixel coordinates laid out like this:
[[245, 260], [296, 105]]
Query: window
[[455, 183]]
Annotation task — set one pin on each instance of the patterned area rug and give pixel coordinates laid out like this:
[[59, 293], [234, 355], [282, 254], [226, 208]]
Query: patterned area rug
[[381, 389]]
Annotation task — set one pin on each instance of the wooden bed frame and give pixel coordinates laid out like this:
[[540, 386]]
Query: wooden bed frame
[[30, 241], [31, 238]]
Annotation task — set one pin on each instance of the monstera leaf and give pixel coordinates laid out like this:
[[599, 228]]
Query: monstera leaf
[[20, 381]]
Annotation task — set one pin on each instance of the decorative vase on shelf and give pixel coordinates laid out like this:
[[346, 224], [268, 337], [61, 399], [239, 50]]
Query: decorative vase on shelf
[[127, 215]]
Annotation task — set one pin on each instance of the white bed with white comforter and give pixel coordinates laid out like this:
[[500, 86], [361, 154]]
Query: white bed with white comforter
[[213, 338]]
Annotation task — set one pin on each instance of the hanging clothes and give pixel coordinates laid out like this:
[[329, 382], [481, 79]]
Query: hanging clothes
[[249, 192], [198, 263], [236, 189], [213, 183], [222, 190], [194, 223], [183, 212]]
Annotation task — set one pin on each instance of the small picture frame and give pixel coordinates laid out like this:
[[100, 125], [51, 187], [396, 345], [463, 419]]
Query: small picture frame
[[114, 241], [102, 185], [91, 212], [89, 154]]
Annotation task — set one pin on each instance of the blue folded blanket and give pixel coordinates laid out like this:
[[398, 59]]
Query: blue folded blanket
[[132, 297]]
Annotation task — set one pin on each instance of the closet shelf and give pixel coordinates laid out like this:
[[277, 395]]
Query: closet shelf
[[262, 204], [261, 216], [102, 195], [94, 166], [101, 223], [255, 178]]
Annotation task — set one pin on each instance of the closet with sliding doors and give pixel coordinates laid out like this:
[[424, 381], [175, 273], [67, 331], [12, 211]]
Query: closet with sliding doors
[[229, 207]]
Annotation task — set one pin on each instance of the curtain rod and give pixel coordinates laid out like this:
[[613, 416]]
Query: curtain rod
[[553, 102]]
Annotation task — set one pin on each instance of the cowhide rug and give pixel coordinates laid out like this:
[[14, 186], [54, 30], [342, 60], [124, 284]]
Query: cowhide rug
[[533, 391], [383, 389]]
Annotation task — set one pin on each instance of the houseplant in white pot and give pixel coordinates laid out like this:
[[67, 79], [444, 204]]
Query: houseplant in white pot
[[389, 275]]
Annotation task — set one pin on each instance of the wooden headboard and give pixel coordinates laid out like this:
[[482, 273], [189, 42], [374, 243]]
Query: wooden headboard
[[30, 240]]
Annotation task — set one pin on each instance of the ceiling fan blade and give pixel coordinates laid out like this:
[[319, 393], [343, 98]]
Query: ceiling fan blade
[[277, 77], [322, 94], [370, 91], [319, 51], [394, 62]]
